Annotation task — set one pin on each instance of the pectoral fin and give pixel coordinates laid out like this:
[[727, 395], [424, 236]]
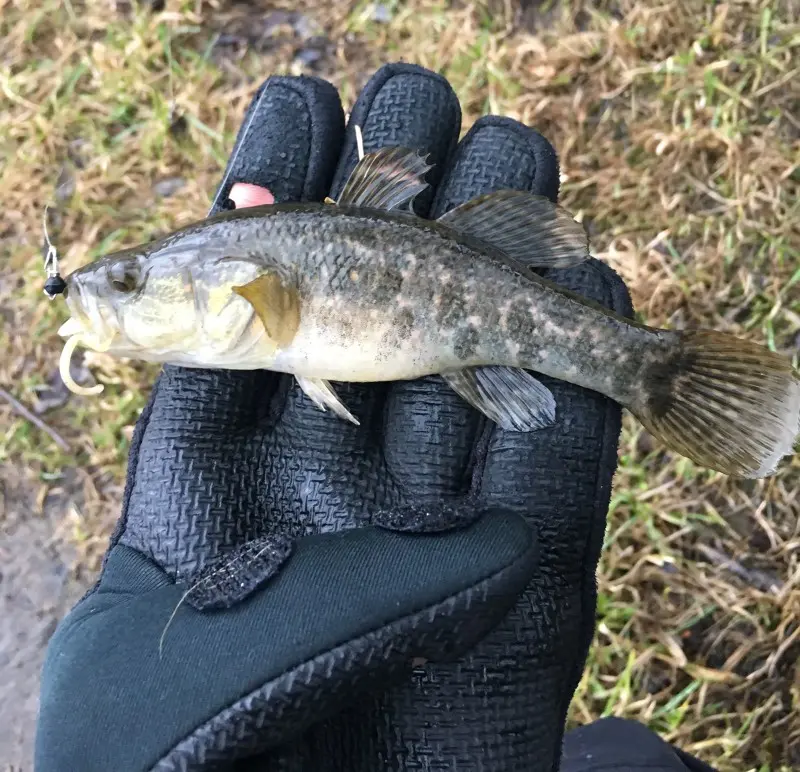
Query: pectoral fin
[[277, 305], [530, 228], [510, 397], [389, 178], [323, 396]]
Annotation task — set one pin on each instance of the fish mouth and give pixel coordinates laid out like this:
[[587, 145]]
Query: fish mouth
[[86, 320], [76, 333], [75, 327], [72, 327]]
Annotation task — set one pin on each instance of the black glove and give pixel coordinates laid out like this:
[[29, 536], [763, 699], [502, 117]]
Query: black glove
[[242, 468]]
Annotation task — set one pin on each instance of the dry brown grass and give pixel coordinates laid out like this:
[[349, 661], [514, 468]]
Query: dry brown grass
[[678, 129]]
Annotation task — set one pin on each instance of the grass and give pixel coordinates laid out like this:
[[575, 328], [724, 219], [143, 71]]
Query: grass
[[679, 138]]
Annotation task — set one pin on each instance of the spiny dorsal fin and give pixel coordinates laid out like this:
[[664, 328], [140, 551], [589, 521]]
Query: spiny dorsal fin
[[277, 305], [530, 228], [509, 396], [389, 178]]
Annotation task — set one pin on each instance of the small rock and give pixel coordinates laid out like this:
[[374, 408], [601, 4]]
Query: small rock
[[381, 14], [168, 186], [308, 56], [78, 152], [306, 27], [230, 39], [278, 19], [54, 393]]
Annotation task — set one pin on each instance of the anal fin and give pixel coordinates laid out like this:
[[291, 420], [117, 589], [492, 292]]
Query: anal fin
[[509, 396], [527, 227], [323, 396]]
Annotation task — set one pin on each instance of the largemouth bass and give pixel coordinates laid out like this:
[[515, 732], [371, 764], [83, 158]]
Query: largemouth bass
[[363, 290]]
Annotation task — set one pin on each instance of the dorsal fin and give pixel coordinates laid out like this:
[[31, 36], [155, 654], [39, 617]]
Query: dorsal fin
[[389, 178], [530, 228]]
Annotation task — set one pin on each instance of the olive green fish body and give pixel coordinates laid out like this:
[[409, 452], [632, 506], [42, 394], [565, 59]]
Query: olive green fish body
[[363, 290], [388, 297]]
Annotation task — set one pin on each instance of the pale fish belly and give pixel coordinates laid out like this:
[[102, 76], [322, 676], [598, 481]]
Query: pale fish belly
[[246, 348], [420, 324], [369, 353]]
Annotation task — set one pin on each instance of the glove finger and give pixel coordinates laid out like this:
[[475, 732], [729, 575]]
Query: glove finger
[[289, 142], [401, 105], [513, 689], [433, 432], [502, 153], [561, 479], [356, 622], [570, 464]]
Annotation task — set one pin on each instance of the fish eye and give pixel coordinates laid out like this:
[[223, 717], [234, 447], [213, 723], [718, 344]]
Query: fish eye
[[123, 276]]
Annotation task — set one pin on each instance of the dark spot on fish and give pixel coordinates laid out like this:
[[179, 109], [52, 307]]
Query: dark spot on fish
[[452, 310], [386, 286], [521, 324], [465, 342], [491, 319], [405, 323], [662, 380]]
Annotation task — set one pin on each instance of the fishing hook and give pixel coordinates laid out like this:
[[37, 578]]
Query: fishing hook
[[55, 284]]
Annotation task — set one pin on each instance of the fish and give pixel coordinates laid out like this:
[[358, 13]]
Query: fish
[[362, 290]]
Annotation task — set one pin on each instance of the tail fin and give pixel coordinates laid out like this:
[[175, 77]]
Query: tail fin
[[725, 403]]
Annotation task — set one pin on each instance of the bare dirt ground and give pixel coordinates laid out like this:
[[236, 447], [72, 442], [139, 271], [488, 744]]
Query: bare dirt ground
[[678, 131], [38, 588]]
